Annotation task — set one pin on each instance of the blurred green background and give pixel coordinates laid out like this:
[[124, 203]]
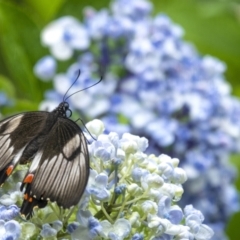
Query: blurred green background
[[213, 26]]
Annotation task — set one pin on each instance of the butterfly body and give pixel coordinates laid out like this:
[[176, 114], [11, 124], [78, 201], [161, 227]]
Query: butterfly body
[[58, 151]]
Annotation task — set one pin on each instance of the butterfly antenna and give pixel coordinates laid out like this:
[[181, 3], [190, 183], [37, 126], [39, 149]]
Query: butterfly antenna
[[79, 72], [84, 88]]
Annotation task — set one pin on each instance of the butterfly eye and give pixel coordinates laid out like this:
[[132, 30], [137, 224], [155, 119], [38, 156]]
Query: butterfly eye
[[65, 106]]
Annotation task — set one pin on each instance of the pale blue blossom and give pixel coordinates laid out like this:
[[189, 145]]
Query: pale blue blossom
[[87, 227], [117, 231], [45, 68], [97, 186], [10, 230], [8, 213], [65, 35], [48, 231]]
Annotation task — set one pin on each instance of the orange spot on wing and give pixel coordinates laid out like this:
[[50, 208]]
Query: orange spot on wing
[[30, 199], [9, 170], [28, 178], [25, 196]]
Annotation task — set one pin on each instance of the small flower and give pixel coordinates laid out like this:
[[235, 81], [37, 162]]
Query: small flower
[[134, 190], [97, 184], [157, 224], [118, 231], [8, 213], [131, 143], [152, 181], [138, 174], [45, 68], [10, 230], [149, 207], [194, 219], [3, 99], [173, 213], [134, 9], [72, 227], [88, 227], [48, 231], [63, 36], [137, 236], [95, 127], [57, 225], [103, 150]]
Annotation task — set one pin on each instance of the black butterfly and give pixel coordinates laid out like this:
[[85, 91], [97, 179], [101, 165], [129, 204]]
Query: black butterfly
[[58, 150]]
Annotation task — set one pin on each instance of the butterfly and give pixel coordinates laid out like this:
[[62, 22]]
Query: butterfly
[[57, 149]]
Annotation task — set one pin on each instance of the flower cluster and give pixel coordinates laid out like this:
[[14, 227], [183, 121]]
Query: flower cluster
[[155, 85], [130, 195]]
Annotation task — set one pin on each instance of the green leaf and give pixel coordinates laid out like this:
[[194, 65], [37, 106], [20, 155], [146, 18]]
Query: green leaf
[[19, 105], [46, 9], [7, 87], [18, 36]]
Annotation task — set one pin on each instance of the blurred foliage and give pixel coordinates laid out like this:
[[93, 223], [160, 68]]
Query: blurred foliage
[[213, 26]]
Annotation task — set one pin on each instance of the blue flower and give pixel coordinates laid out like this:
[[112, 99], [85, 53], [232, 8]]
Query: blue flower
[[137, 236], [65, 35], [45, 68], [10, 230], [48, 231], [165, 210], [88, 227], [194, 219], [117, 231], [97, 185], [72, 227], [3, 99], [8, 213]]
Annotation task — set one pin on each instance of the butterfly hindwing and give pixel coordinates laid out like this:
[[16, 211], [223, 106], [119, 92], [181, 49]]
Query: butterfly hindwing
[[16, 133], [59, 169]]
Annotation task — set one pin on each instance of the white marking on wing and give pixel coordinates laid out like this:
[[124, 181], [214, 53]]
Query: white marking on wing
[[18, 156], [5, 150], [35, 162], [71, 145], [4, 143], [12, 124]]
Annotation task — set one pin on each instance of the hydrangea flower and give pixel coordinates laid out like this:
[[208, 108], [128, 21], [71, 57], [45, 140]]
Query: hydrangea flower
[[63, 36], [134, 198], [158, 86], [10, 230], [47, 63]]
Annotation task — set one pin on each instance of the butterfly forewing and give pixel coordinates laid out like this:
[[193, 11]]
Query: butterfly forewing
[[16, 133]]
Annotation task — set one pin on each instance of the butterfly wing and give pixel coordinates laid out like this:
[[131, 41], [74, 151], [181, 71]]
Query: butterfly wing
[[16, 133], [59, 171]]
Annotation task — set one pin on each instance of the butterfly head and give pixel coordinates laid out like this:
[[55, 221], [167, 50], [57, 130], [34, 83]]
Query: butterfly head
[[63, 110]]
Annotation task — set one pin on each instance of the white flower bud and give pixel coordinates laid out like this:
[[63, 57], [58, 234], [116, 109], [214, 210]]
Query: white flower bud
[[95, 127]]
